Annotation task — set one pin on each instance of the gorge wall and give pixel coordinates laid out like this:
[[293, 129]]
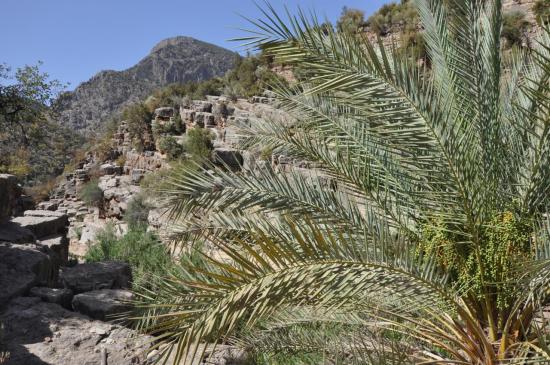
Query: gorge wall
[[174, 60]]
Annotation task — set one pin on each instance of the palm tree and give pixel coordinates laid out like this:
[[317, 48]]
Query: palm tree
[[420, 233]]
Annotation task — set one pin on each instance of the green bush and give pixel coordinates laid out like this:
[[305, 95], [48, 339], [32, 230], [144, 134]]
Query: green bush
[[351, 20], [250, 76], [514, 26], [391, 15], [413, 45], [178, 125], [199, 143], [171, 147], [266, 153], [91, 194], [137, 212], [138, 118], [142, 250]]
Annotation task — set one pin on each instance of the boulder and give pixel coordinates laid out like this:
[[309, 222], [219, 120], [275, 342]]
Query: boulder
[[203, 119], [164, 112], [59, 245], [24, 203], [38, 333], [135, 160], [81, 175], [110, 169], [98, 275], [202, 106], [228, 157], [220, 110], [63, 297], [259, 100], [89, 233], [48, 205], [10, 191], [187, 115], [137, 175], [108, 182], [13, 232], [21, 268], [102, 304], [43, 223]]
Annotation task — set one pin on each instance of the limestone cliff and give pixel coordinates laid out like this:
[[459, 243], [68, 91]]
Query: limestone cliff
[[174, 60]]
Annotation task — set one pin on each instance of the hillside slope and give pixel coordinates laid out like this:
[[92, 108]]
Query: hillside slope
[[174, 60]]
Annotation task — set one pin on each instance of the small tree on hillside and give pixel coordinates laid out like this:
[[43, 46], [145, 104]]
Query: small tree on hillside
[[350, 20], [199, 143], [139, 118]]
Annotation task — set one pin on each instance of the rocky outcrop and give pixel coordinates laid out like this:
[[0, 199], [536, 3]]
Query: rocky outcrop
[[95, 276], [63, 297], [43, 223], [174, 60], [38, 333], [10, 191], [21, 268], [58, 245], [228, 157], [103, 304], [14, 233]]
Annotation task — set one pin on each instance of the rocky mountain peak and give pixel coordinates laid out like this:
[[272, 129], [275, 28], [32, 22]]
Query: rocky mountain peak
[[173, 60]]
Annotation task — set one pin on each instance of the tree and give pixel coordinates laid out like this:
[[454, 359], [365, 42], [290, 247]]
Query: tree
[[32, 145], [138, 118], [23, 103], [171, 147], [351, 20], [424, 225], [199, 143]]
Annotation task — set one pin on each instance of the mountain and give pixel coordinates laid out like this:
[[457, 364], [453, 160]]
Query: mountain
[[173, 60]]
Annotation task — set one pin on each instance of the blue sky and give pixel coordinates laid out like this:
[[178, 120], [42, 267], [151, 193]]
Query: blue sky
[[77, 38]]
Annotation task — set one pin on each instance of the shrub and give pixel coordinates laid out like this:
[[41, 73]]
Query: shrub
[[137, 212], [391, 15], [138, 118], [91, 194], [178, 125], [41, 191], [142, 250], [541, 9], [250, 76], [121, 160], [265, 154], [171, 147], [514, 26], [414, 45], [199, 143], [351, 20]]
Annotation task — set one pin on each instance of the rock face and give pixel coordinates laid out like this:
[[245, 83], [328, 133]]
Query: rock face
[[13, 232], [9, 193], [43, 223], [228, 157], [96, 276], [174, 60], [21, 268], [59, 245], [39, 333], [63, 297], [102, 304]]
